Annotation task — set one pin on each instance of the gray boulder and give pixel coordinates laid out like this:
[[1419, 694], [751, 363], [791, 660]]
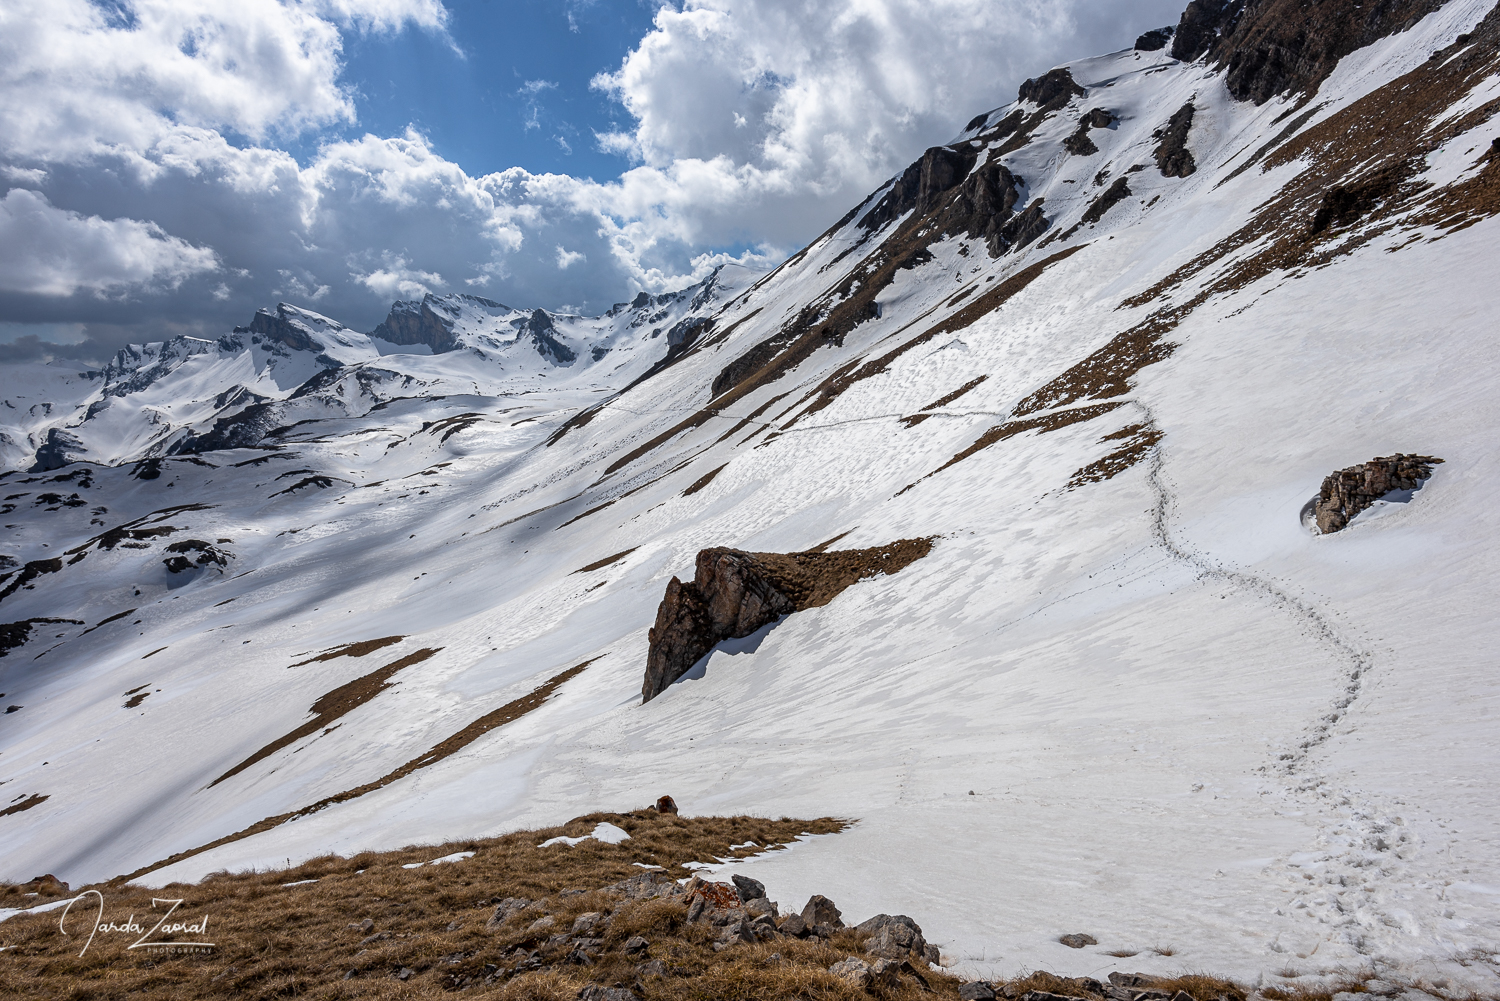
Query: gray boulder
[[749, 889], [978, 990], [820, 911], [894, 936]]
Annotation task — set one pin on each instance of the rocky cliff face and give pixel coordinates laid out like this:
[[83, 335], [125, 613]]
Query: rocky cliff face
[[1271, 47], [733, 593]]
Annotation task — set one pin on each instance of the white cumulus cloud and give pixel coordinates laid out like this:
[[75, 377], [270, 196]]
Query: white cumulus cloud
[[50, 251]]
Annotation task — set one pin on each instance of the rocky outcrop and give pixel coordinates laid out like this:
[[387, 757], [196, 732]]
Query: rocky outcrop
[[1155, 40], [1200, 26], [544, 336], [1271, 47], [1173, 158], [1079, 143], [733, 593], [1052, 90], [279, 329], [429, 320], [1349, 491]]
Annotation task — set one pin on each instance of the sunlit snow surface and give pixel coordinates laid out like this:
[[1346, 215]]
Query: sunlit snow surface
[[1091, 710]]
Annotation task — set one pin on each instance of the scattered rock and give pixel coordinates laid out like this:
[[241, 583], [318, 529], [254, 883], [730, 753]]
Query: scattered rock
[[853, 970], [1343, 206], [653, 968], [794, 926], [589, 922], [540, 926], [505, 910], [821, 911], [1078, 940], [636, 945], [977, 990], [598, 992], [405, 973], [749, 889], [1347, 492], [647, 885], [379, 936], [366, 926]]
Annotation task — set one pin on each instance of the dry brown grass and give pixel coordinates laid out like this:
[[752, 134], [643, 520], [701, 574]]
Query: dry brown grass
[[273, 940]]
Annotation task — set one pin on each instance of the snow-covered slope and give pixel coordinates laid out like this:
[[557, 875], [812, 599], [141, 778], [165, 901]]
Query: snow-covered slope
[[1127, 694]]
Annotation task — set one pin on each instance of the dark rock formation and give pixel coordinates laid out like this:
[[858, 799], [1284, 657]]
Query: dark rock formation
[[734, 593], [57, 451], [1155, 40], [1349, 491], [1078, 941], [245, 429], [977, 990], [1108, 199], [1271, 47], [1200, 26], [1079, 143], [544, 337], [1051, 90], [428, 321], [1173, 158], [194, 554]]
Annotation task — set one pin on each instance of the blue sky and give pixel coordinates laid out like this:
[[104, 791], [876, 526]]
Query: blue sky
[[169, 167], [518, 96]]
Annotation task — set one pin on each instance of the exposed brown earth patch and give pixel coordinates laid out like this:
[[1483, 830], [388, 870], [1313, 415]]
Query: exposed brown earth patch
[[1107, 372], [337, 703], [734, 593], [35, 799], [1138, 440], [943, 401], [362, 648], [1052, 421], [840, 381], [704, 480], [601, 564], [507, 713]]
